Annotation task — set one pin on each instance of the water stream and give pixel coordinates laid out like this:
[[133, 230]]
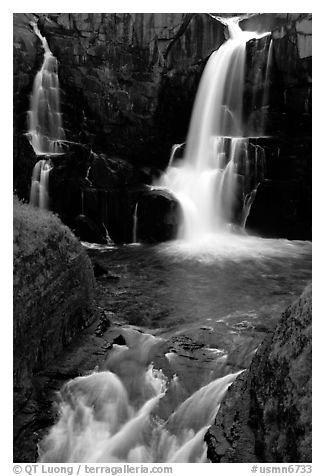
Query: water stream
[[190, 313], [45, 129], [209, 181]]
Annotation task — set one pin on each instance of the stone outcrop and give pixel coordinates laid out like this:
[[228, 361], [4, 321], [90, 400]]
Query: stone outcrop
[[266, 413], [53, 293]]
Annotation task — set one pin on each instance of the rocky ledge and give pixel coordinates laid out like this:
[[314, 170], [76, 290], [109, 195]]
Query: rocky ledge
[[266, 413]]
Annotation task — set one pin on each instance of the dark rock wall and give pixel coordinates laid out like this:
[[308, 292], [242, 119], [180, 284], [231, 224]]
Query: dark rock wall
[[266, 413], [282, 207], [129, 80]]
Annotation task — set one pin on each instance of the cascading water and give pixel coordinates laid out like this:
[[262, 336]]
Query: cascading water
[[45, 130], [207, 181], [39, 188], [174, 150], [44, 118], [135, 224], [111, 416]]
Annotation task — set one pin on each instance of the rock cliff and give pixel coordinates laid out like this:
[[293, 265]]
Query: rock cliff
[[282, 207], [266, 413]]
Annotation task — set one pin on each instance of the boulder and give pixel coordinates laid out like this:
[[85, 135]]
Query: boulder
[[24, 159], [86, 230], [53, 293], [158, 216], [265, 415]]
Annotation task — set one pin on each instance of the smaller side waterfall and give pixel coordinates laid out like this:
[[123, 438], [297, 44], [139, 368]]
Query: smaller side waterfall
[[135, 224], [175, 148], [39, 196], [45, 130]]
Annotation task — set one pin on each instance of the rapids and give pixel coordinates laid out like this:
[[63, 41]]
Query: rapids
[[190, 321]]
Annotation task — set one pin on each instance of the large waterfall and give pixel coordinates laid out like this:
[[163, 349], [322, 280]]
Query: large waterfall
[[210, 181], [45, 130]]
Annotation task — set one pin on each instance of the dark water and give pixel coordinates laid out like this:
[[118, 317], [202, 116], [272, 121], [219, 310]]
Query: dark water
[[191, 316], [222, 294]]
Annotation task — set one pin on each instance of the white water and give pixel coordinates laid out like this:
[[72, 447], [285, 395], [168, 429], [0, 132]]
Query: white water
[[45, 130], [39, 196], [44, 118], [100, 422], [175, 148], [135, 224], [266, 83], [207, 181]]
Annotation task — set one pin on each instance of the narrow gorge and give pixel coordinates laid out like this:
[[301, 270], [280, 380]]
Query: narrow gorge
[[162, 227]]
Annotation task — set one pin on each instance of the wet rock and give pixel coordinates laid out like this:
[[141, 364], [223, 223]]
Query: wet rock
[[159, 215], [108, 173], [266, 414], [119, 340], [281, 209], [99, 270], [105, 322], [88, 231], [186, 343], [114, 67], [23, 164]]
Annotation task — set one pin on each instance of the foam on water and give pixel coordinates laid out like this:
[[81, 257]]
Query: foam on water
[[98, 422], [234, 247]]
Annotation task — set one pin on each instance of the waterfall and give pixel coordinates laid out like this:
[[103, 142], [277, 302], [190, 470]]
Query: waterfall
[[45, 130], [135, 224], [207, 181], [175, 148], [39, 196]]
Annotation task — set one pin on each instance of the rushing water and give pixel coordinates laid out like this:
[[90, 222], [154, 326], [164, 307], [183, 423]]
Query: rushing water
[[191, 318], [209, 181], [135, 224], [45, 129], [44, 118]]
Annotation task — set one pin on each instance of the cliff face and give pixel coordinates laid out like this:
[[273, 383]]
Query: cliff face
[[128, 84], [282, 206], [266, 413], [129, 79]]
